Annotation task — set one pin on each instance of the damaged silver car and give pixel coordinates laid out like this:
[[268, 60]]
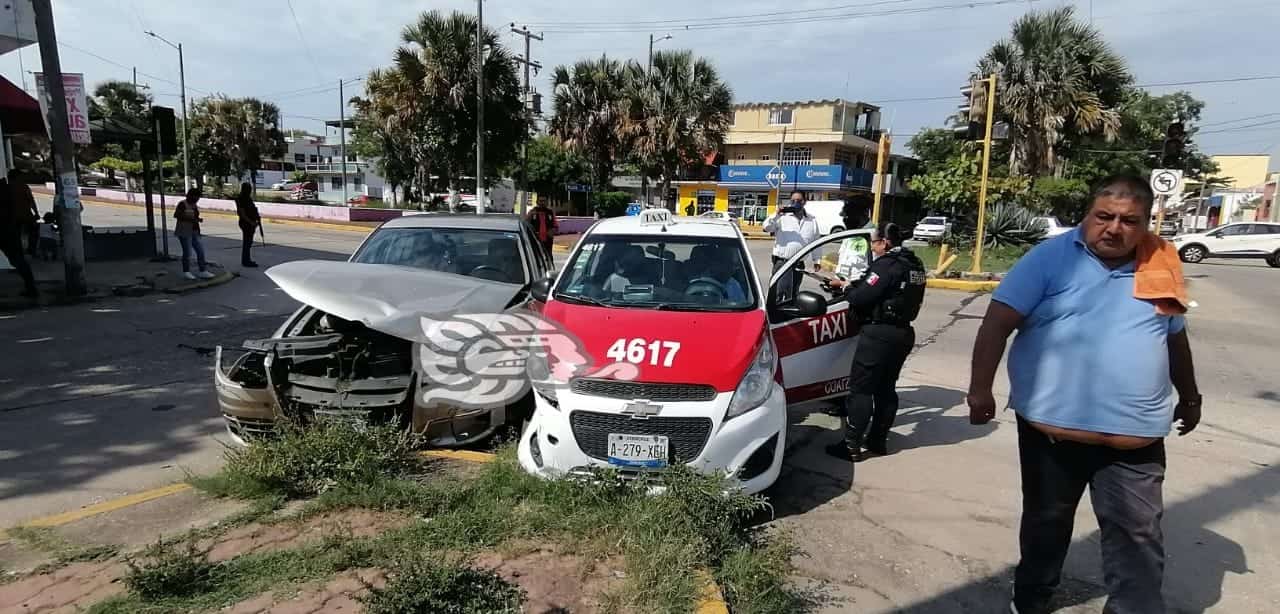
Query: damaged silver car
[[385, 337]]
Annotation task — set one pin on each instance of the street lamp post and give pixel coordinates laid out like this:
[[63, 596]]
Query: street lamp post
[[644, 176], [182, 94], [652, 40]]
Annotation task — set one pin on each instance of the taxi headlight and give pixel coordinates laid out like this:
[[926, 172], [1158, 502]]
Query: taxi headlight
[[757, 383], [541, 379]]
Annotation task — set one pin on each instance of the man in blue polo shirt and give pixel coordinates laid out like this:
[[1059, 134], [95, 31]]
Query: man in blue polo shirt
[[1090, 374]]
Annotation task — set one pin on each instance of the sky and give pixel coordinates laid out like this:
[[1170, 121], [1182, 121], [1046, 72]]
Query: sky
[[294, 52]]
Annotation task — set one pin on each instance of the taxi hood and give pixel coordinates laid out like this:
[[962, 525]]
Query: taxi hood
[[388, 298], [714, 348]]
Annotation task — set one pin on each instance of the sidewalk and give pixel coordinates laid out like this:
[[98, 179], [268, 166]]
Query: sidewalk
[[134, 277]]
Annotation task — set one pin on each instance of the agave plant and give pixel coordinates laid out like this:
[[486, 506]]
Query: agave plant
[[1012, 225]]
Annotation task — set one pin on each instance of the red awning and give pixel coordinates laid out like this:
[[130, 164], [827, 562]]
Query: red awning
[[19, 112]]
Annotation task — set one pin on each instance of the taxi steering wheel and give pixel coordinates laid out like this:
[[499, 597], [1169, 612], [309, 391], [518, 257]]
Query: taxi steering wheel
[[706, 287]]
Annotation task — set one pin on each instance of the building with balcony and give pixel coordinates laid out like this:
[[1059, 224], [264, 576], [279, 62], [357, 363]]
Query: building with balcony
[[322, 160], [826, 149]]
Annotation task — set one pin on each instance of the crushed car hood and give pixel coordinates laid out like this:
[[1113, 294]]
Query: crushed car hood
[[387, 298]]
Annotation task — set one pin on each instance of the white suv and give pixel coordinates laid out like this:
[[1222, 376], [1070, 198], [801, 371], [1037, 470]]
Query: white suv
[[931, 229], [1239, 240]]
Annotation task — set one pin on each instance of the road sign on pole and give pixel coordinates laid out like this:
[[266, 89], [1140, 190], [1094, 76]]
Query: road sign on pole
[[1166, 181], [775, 177]]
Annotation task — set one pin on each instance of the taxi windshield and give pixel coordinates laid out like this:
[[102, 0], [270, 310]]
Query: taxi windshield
[[677, 273]]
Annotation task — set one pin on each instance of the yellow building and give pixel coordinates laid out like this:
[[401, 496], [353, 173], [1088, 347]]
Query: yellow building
[[825, 148], [1244, 170]]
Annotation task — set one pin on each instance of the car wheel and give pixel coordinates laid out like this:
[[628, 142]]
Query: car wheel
[[1192, 253], [1274, 260]]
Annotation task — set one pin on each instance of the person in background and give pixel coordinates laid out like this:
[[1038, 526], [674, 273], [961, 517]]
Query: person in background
[[27, 209], [792, 229], [247, 211], [885, 300], [12, 224], [49, 238], [544, 223], [691, 209], [187, 229], [1092, 374]]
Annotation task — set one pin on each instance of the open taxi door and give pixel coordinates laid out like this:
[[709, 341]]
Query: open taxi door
[[816, 349]]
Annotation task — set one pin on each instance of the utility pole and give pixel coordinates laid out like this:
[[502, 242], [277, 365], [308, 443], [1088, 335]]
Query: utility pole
[[342, 138], [649, 66], [986, 166], [182, 94], [479, 106], [527, 98], [63, 155]]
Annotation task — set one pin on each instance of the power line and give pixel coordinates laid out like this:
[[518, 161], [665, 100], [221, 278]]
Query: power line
[[303, 39], [1206, 81], [118, 64], [1240, 128], [723, 24], [1232, 121], [693, 20]]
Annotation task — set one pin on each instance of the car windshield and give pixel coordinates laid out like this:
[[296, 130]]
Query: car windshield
[[487, 254], [934, 220], [678, 273]]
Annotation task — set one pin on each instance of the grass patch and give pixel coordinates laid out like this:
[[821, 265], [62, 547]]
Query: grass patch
[[303, 462], [63, 551], [170, 569], [994, 260], [424, 585], [697, 523]]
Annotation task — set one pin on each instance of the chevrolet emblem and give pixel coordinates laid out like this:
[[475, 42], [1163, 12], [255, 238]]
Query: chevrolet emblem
[[641, 409]]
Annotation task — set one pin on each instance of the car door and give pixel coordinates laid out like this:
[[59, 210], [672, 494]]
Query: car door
[[1261, 240], [1229, 240], [817, 352]]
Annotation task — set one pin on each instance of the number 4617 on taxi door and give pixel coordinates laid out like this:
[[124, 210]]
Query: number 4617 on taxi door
[[638, 351]]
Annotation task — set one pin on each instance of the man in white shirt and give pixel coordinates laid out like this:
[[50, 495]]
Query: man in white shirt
[[792, 229]]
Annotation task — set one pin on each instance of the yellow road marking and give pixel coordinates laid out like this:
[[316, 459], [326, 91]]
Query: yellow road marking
[[711, 601], [112, 505], [462, 455]]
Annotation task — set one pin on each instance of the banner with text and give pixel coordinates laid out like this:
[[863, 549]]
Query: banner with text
[[77, 105]]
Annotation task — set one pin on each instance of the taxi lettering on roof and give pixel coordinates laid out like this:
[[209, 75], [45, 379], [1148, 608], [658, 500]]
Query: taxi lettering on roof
[[655, 217]]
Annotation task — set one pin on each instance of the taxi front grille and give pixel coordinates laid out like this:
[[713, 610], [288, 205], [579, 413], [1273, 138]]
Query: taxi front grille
[[667, 393], [687, 436]]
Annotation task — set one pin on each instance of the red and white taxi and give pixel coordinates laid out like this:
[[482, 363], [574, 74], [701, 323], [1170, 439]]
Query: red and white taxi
[[700, 359]]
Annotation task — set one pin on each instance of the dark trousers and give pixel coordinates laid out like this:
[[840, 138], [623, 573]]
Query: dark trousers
[[873, 384], [11, 247], [1126, 489], [189, 244], [547, 244], [787, 289], [246, 233], [33, 236]]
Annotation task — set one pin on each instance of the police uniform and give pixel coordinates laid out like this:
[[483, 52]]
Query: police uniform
[[886, 300]]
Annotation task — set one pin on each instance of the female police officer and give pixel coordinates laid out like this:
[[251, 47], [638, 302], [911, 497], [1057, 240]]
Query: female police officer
[[885, 300]]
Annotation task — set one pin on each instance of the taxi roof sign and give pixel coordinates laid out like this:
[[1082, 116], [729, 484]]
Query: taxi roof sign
[[655, 217]]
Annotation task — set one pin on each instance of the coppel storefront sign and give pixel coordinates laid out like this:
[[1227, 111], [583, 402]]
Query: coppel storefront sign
[[807, 176]]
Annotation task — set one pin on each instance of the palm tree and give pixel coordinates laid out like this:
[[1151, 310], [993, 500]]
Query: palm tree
[[1056, 78], [675, 113], [588, 113]]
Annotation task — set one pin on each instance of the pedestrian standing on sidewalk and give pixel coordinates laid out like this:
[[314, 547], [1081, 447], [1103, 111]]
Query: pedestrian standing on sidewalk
[[27, 210], [187, 229], [1090, 374], [886, 300], [247, 211], [12, 224], [545, 225], [792, 229]]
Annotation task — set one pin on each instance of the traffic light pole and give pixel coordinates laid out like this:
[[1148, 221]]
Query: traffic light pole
[[881, 161], [986, 166]]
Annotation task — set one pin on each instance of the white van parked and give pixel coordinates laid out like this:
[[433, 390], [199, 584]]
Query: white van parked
[[829, 215]]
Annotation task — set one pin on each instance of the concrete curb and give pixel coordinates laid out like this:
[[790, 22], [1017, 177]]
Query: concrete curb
[[352, 226], [963, 285], [218, 280]]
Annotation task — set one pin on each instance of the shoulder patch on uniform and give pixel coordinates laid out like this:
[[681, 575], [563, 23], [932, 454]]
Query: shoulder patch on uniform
[[872, 279], [917, 278]]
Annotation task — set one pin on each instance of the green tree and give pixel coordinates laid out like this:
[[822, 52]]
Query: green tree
[[551, 167], [588, 114], [420, 114], [676, 112], [121, 107], [935, 148], [232, 137], [953, 186], [1057, 79]]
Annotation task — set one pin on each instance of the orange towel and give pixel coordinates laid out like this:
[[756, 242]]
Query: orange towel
[[1158, 276]]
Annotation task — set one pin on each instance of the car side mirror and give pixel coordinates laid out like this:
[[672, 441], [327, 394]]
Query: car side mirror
[[806, 304], [540, 290]]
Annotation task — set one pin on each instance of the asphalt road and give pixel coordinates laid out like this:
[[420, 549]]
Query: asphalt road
[[114, 397]]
